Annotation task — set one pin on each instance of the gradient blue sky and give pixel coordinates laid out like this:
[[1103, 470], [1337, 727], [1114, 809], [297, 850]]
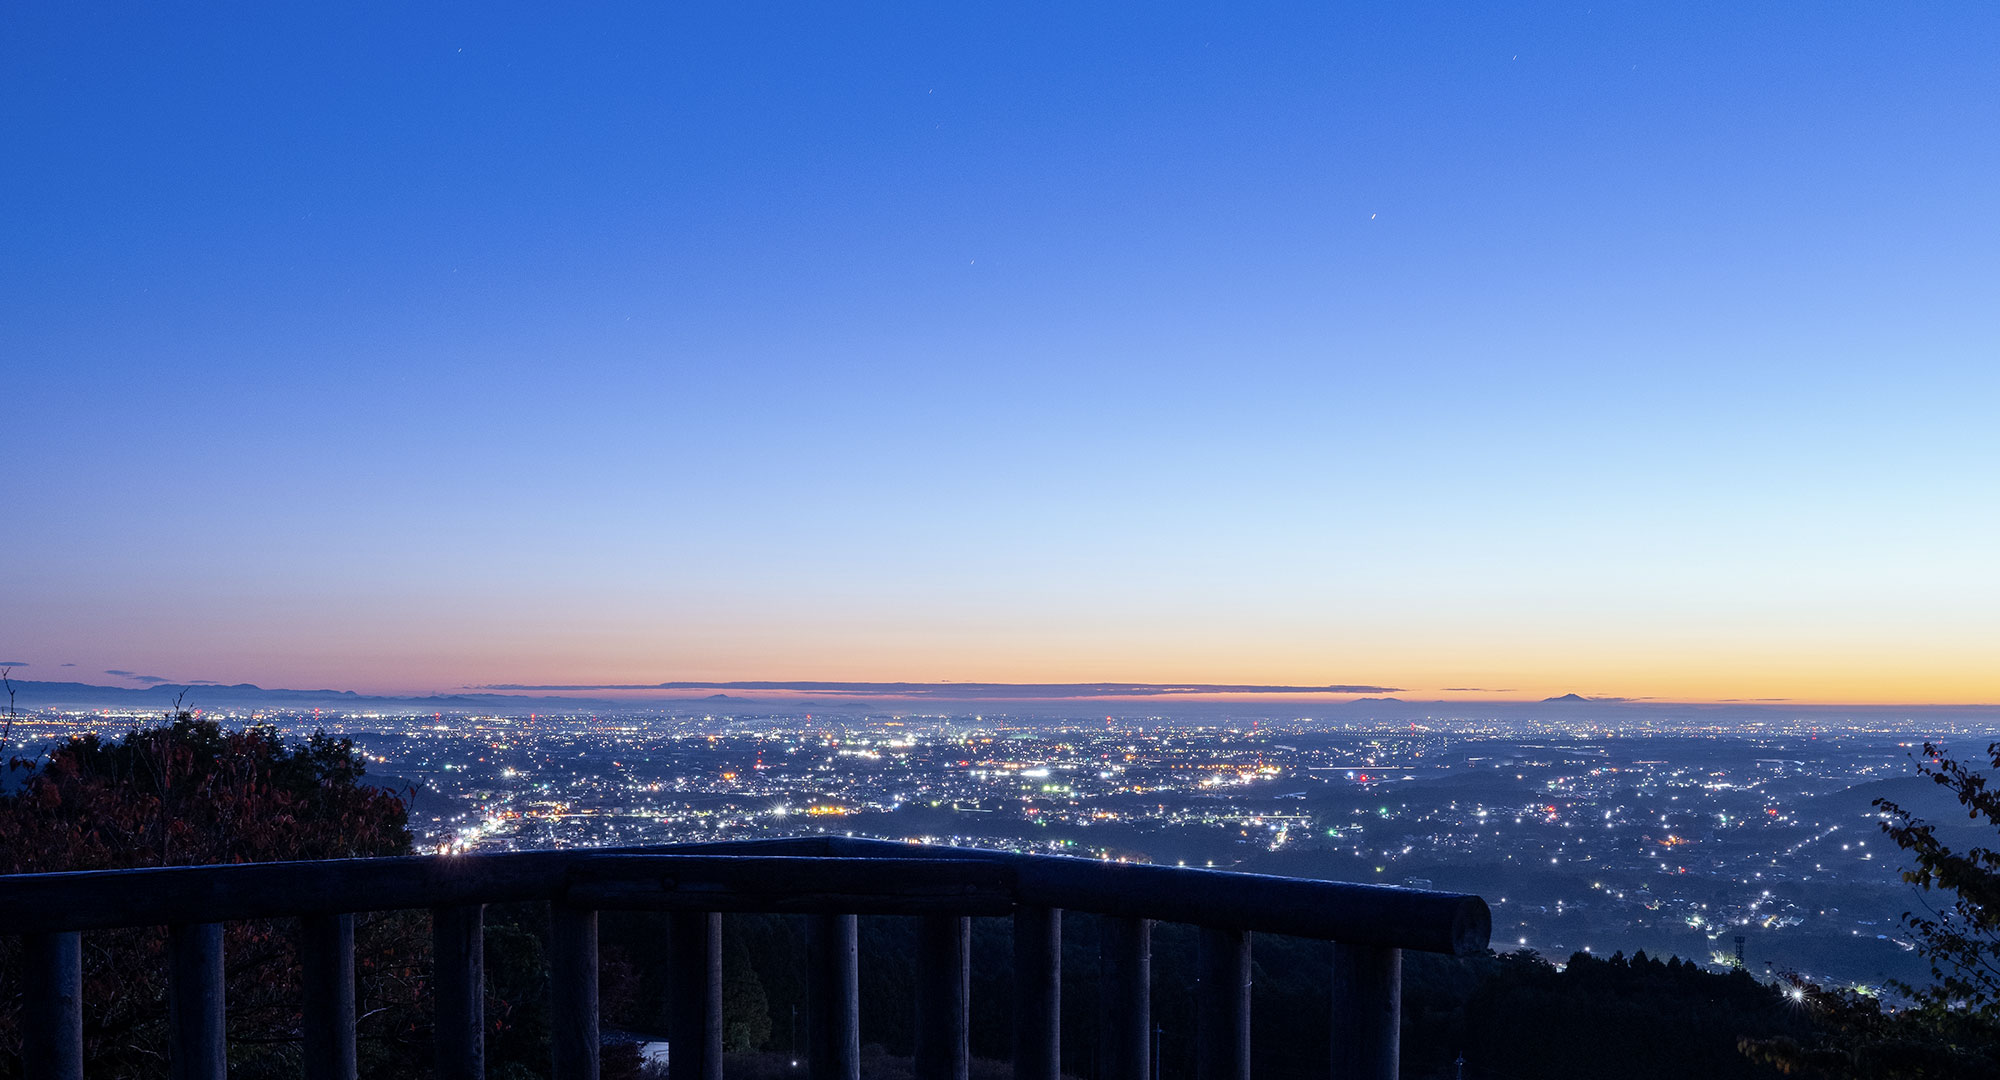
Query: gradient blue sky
[[1642, 349]]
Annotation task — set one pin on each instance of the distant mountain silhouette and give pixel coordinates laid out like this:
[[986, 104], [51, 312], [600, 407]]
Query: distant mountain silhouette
[[209, 695], [164, 693], [951, 691], [1046, 701], [32, 694]]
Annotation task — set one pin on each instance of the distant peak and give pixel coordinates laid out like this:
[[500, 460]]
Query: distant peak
[[1568, 697]]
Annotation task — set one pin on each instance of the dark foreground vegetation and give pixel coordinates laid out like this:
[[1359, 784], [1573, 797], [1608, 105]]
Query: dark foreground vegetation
[[189, 792]]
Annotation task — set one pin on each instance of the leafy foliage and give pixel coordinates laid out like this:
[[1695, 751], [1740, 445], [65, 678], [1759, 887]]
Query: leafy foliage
[[1517, 1015], [1856, 1037], [1962, 938], [1952, 1027], [191, 792], [746, 1010]]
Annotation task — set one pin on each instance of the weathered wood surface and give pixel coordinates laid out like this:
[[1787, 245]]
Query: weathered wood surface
[[833, 998], [164, 895], [1367, 1012], [326, 964], [573, 1015], [818, 875], [1222, 1005], [101, 899], [458, 986], [824, 886], [195, 1003], [830, 879], [1454, 923], [52, 1007], [1037, 993], [694, 1026], [944, 998], [1124, 999]]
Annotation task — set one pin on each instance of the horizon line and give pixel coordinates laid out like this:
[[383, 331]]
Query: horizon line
[[1104, 689], [971, 692]]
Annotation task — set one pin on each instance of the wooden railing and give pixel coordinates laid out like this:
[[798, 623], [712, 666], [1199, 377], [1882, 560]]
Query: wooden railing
[[828, 880]]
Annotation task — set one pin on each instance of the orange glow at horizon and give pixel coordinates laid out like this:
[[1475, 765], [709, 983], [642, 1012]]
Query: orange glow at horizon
[[453, 647]]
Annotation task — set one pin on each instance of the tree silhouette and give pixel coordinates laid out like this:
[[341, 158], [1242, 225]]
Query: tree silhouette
[[1951, 1028], [190, 792], [1961, 938]]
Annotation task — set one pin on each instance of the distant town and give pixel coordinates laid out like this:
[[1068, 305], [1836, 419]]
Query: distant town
[[1754, 844]]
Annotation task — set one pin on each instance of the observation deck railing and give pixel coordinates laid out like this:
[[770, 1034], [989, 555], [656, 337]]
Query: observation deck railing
[[828, 880]]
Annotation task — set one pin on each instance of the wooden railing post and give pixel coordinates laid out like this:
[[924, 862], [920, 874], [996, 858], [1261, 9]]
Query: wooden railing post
[[813, 877], [326, 962], [833, 998], [1125, 1012], [1222, 1005], [694, 1027], [458, 980], [573, 992], [944, 997], [196, 1017], [1037, 993], [1367, 1012], [52, 1012]]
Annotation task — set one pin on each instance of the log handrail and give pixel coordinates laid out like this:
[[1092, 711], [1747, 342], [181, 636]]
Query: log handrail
[[830, 879], [851, 877]]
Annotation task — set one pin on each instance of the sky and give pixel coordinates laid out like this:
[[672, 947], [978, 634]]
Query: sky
[[1644, 350]]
